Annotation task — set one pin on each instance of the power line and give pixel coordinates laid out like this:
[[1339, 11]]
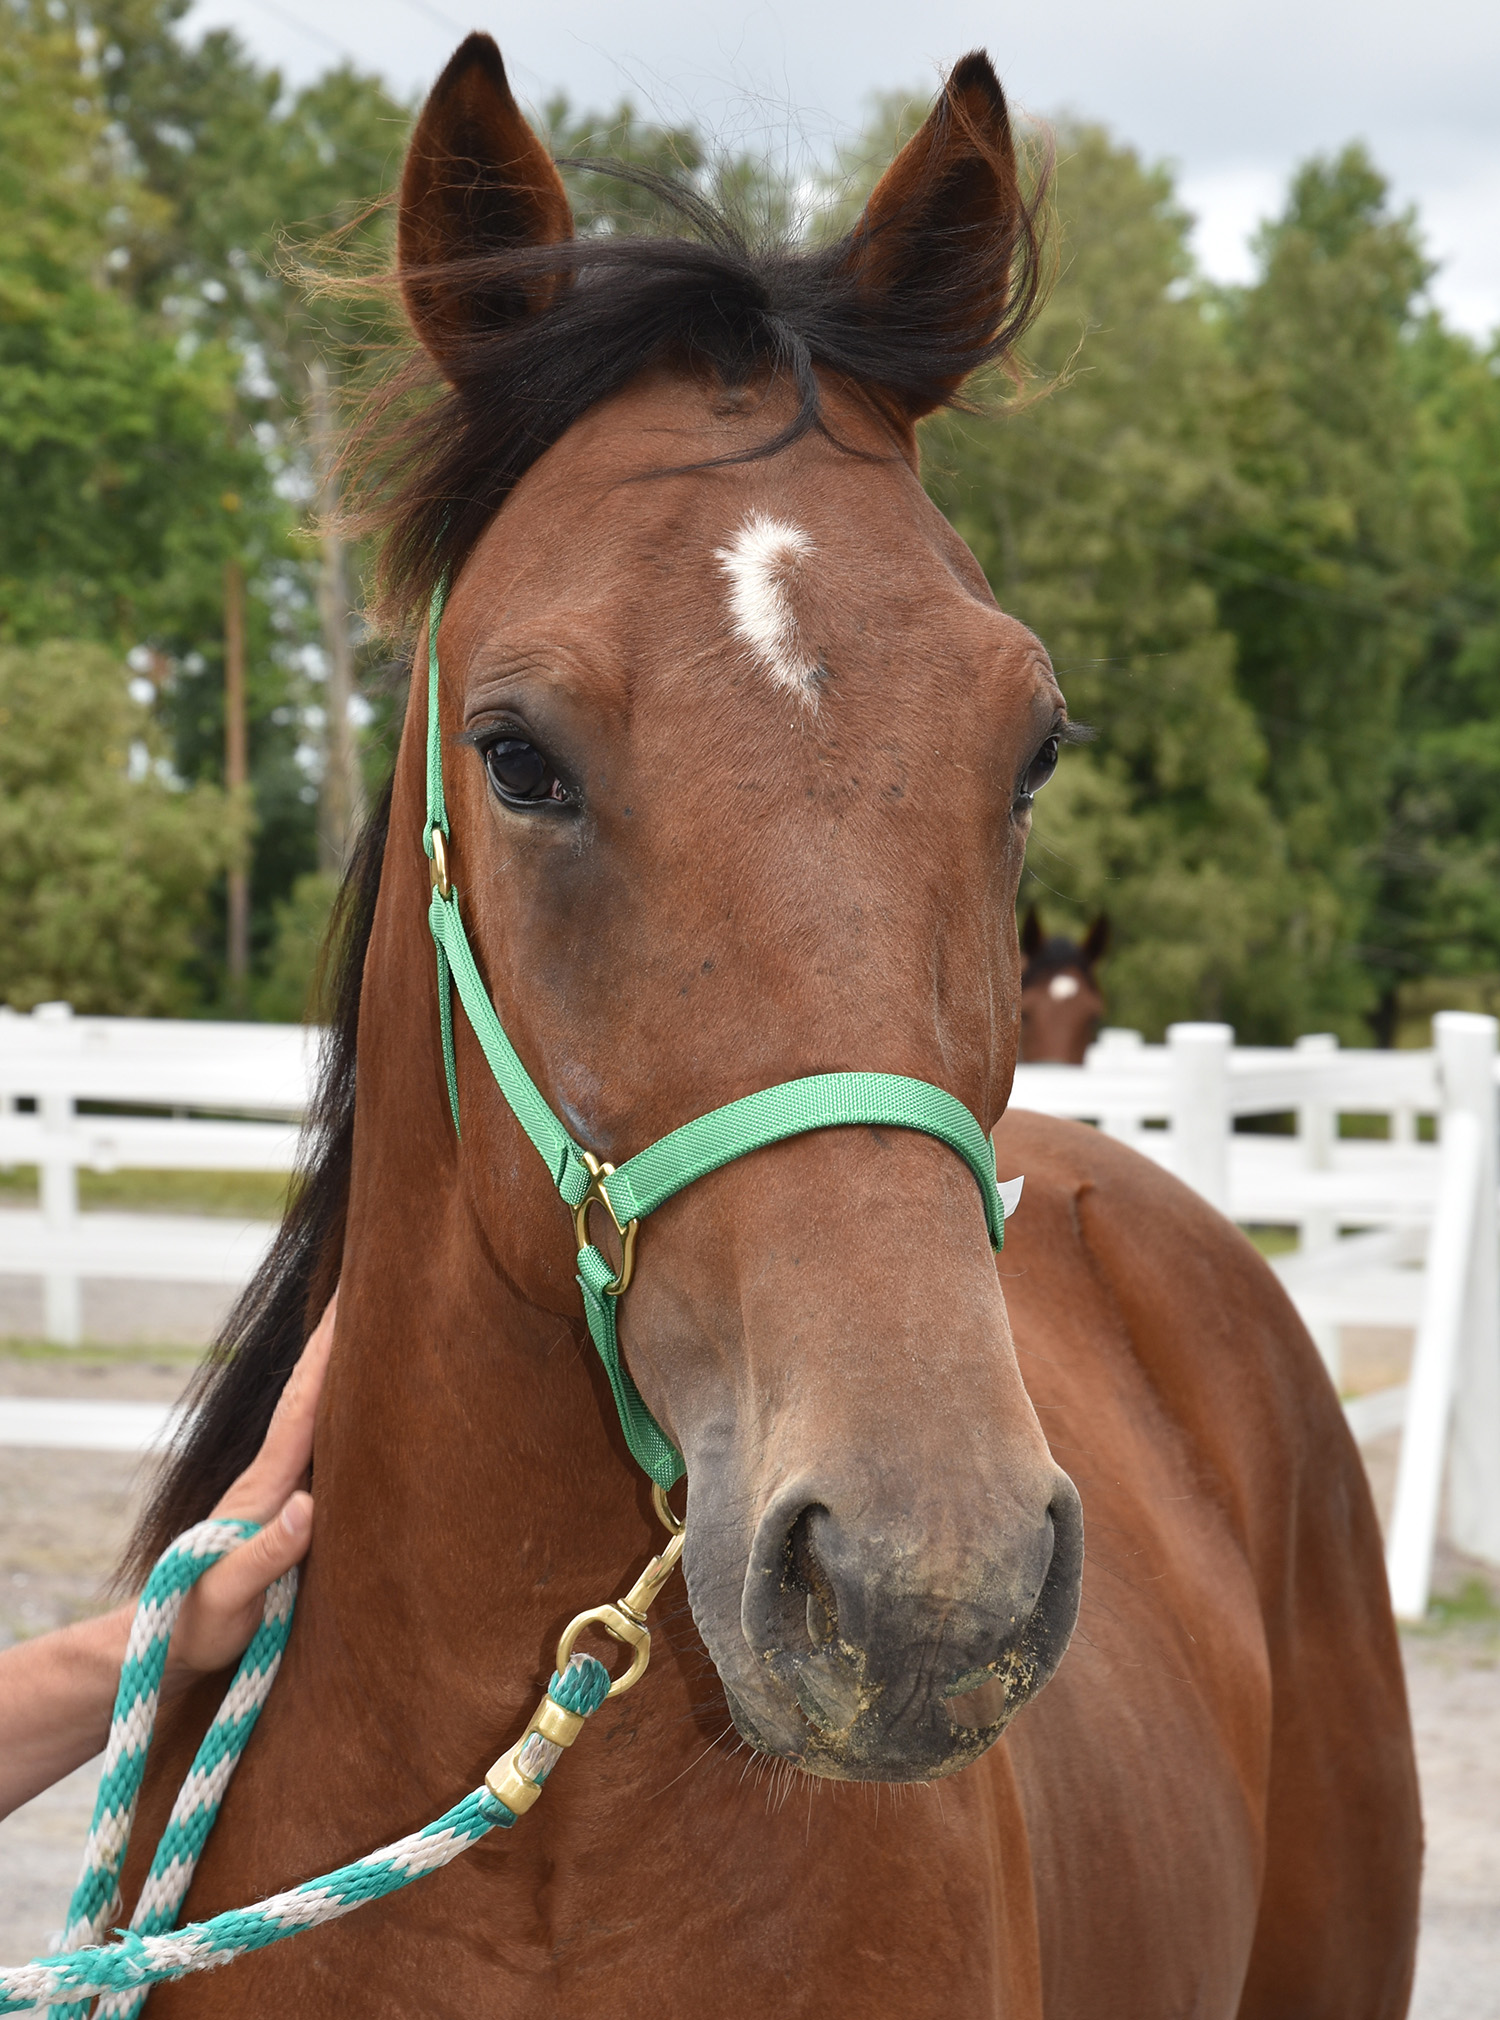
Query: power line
[[435, 15], [290, 20]]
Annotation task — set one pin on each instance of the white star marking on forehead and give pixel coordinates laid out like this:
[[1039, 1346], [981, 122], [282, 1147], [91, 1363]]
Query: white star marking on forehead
[[762, 563]]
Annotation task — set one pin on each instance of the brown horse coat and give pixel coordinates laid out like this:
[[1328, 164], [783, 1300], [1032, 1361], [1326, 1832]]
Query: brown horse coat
[[1211, 1808]]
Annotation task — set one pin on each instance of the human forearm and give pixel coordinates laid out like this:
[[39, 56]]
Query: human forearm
[[56, 1694]]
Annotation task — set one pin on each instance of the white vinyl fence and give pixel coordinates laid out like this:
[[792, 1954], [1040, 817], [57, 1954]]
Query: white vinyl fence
[[1399, 1232], [145, 1094], [1394, 1232]]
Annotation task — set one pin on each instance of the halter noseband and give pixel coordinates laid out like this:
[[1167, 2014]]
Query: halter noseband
[[645, 1181]]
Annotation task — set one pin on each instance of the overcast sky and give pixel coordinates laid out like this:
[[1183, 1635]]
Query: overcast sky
[[1231, 93]]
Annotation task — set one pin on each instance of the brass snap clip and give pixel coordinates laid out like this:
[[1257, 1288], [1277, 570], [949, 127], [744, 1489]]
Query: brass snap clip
[[596, 1195], [517, 1778], [625, 1621]]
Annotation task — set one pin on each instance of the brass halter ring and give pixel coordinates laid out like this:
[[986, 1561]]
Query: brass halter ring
[[596, 1195], [439, 863]]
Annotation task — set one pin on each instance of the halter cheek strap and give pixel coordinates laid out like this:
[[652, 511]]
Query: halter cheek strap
[[634, 1191]]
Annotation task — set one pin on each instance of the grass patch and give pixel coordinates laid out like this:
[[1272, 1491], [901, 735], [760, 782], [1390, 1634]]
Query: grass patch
[[1272, 1241], [1473, 1605], [236, 1195], [96, 1356]]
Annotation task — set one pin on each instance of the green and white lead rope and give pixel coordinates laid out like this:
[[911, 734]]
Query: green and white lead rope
[[119, 1975], [96, 1899]]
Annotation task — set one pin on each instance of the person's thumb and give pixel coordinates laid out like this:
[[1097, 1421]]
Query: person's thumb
[[246, 1572]]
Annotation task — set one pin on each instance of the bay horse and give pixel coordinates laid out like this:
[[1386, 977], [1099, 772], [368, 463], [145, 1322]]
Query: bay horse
[[1062, 1005], [741, 755]]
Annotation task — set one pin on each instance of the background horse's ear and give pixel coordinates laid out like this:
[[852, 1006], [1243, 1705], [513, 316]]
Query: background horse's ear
[[477, 183], [1096, 945], [1032, 935], [935, 253]]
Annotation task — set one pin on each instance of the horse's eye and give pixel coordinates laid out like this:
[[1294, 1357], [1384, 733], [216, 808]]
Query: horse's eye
[[1037, 773], [521, 775]]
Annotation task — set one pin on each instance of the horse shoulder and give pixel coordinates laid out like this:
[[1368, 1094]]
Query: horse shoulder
[[1206, 1321], [1235, 1686]]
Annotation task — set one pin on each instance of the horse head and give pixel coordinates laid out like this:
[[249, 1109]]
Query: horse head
[[740, 760], [1062, 1005]]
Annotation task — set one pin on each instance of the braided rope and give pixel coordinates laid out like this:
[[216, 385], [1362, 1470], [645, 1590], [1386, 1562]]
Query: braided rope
[[120, 1975], [128, 1969], [96, 1898]]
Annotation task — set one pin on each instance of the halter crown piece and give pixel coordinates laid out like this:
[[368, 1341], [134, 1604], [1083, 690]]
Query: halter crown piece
[[652, 1176]]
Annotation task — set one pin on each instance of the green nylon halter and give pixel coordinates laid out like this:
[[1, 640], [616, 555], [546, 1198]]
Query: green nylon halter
[[638, 1187]]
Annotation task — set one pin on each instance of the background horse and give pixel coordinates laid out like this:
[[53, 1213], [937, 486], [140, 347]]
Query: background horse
[[1062, 1005], [741, 761]]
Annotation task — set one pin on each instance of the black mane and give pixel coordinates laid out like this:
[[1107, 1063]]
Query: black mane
[[236, 1389]]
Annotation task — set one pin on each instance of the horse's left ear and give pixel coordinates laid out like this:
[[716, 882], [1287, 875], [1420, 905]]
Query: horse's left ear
[[1096, 945], [477, 182], [936, 252]]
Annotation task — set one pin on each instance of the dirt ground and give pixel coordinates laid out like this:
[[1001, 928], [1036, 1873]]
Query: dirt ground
[[64, 1517], [121, 1314]]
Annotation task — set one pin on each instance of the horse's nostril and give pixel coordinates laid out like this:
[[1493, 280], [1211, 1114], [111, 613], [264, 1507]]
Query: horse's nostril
[[805, 1573], [984, 1705], [789, 1611]]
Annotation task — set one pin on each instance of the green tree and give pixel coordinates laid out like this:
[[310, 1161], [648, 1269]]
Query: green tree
[[1327, 579], [1093, 510], [612, 203], [106, 860], [1436, 906], [749, 188], [124, 482], [114, 454], [246, 176]]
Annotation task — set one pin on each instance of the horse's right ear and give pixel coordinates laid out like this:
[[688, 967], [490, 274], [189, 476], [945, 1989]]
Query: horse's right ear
[[477, 182], [1032, 936]]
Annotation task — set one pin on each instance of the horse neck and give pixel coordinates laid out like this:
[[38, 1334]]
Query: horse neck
[[473, 1487]]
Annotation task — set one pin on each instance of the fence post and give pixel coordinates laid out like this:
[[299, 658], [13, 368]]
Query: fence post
[[1114, 1046], [1317, 1130], [1465, 1045], [1435, 1363], [62, 1300], [7, 1093], [1198, 1056]]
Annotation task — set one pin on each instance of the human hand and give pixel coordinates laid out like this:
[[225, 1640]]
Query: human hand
[[223, 1609]]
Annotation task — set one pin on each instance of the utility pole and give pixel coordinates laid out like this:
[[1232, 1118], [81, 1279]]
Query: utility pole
[[341, 801], [236, 769]]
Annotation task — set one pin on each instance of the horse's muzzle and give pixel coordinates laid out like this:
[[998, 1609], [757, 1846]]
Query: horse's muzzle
[[875, 1657]]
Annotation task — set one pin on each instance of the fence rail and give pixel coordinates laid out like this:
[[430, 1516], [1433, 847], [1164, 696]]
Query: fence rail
[[1400, 1231], [233, 1096]]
